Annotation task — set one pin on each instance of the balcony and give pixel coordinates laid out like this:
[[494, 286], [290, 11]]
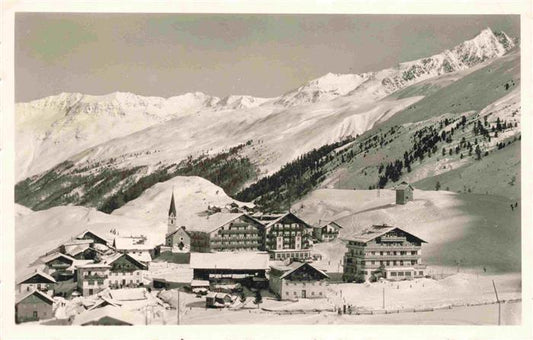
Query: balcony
[[393, 239], [384, 247]]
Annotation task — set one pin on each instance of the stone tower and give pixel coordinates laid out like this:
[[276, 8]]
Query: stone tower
[[172, 215]]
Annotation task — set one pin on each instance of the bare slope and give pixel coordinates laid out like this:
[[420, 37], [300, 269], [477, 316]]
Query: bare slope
[[474, 230]]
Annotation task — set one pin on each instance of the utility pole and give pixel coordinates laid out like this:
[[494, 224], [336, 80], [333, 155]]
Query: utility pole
[[499, 304]]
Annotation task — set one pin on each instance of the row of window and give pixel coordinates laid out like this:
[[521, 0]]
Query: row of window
[[124, 273], [319, 283], [295, 293], [384, 253], [391, 263]]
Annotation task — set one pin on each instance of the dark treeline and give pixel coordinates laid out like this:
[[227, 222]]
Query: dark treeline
[[294, 179]]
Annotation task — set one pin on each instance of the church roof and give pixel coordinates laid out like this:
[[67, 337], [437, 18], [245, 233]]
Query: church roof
[[172, 209], [404, 185]]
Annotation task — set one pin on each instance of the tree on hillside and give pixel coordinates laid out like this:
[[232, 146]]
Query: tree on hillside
[[258, 298], [437, 186], [478, 152]]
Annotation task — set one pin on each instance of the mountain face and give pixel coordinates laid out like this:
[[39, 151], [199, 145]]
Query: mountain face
[[130, 137], [375, 85]]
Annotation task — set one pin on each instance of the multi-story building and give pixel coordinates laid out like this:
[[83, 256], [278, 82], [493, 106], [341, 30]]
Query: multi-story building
[[37, 280], [326, 231], [125, 271], [286, 236], [385, 251], [92, 278], [34, 306], [298, 280]]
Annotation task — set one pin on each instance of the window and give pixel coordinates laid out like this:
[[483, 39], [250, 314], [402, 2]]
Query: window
[[381, 253], [420, 273], [407, 273], [400, 273], [320, 293], [393, 274], [286, 293], [413, 253], [294, 293], [35, 315], [312, 293]]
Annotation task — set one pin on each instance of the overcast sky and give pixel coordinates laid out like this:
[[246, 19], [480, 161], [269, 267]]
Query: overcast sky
[[260, 55]]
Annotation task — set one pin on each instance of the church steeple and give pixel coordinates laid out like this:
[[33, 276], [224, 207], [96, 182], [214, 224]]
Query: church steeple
[[172, 214]]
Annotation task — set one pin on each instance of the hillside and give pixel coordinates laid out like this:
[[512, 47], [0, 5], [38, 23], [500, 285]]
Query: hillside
[[476, 230], [270, 133], [38, 232]]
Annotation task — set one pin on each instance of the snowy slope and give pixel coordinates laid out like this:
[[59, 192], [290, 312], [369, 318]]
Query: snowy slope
[[36, 233], [192, 195], [54, 129], [51, 129], [478, 230]]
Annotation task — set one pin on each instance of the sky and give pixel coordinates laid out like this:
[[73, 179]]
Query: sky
[[221, 54]]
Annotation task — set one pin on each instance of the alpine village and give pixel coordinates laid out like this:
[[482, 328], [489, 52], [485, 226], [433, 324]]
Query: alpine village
[[229, 260]]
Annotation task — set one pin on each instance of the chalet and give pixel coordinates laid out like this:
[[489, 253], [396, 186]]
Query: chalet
[[383, 251], [298, 280], [326, 231], [243, 267], [404, 193], [179, 240], [138, 247], [37, 280], [76, 248], [34, 306], [95, 237], [92, 278], [60, 266], [286, 236], [226, 232], [125, 271]]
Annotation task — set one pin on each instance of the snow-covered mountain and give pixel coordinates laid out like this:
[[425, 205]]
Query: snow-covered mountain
[[372, 86], [125, 131]]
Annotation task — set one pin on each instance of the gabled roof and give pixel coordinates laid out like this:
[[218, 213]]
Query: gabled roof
[[403, 185], [105, 300], [112, 259], [324, 223], [296, 268], [120, 314], [45, 276], [215, 221], [175, 231], [100, 236], [227, 260], [78, 249], [281, 217], [374, 231], [57, 255], [38, 293], [128, 294]]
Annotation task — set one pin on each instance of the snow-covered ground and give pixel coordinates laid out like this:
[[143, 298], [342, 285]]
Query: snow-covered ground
[[462, 230]]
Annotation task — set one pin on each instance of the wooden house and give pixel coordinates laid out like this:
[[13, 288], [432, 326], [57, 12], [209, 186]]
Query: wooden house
[[60, 266], [34, 306], [298, 280], [37, 280], [125, 271], [326, 231], [92, 278], [404, 193], [383, 251], [287, 236]]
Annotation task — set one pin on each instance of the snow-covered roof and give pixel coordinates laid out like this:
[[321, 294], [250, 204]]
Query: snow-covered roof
[[404, 185], [78, 249], [228, 260], [114, 257], [143, 257], [81, 235], [374, 231], [36, 292], [54, 256], [128, 294], [175, 231], [270, 222], [39, 273], [133, 243], [93, 265], [213, 222], [323, 223], [199, 283], [287, 273], [72, 242], [110, 311]]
